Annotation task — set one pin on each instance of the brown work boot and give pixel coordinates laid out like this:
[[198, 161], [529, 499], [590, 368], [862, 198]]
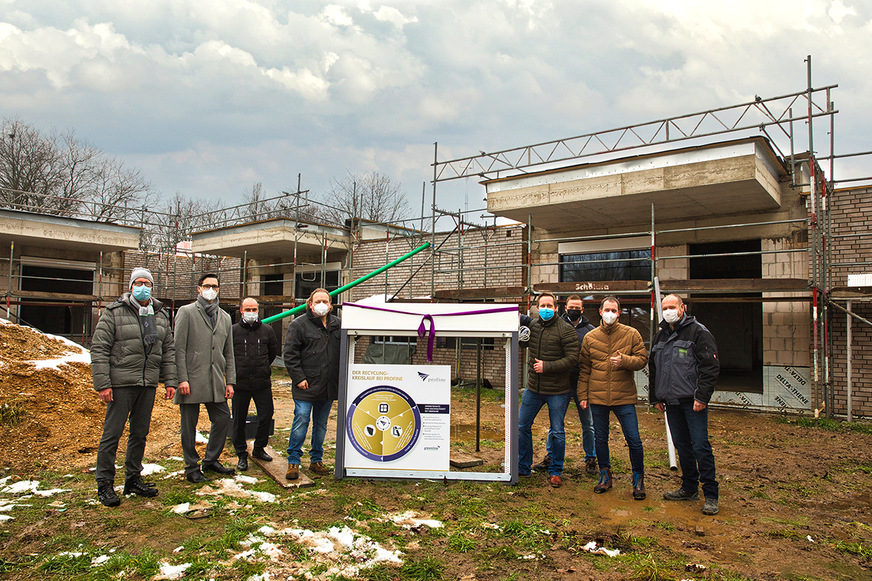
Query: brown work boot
[[605, 481], [319, 468], [555, 481], [638, 486], [293, 472]]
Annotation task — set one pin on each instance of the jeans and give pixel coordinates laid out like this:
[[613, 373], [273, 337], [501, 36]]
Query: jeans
[[587, 431], [626, 415], [320, 411], [263, 402], [690, 436], [531, 403]]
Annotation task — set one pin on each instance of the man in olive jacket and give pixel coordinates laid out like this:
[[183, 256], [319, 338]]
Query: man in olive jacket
[[131, 349], [254, 348], [207, 373], [552, 352], [312, 360], [609, 356]]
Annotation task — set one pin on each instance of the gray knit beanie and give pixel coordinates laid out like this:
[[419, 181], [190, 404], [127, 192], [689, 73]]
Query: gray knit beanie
[[140, 273]]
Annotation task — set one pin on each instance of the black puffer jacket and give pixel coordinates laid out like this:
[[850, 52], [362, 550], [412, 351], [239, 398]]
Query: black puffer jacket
[[119, 357], [312, 353], [556, 344], [254, 348]]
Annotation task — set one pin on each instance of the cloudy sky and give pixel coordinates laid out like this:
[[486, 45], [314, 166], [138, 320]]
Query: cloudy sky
[[208, 97]]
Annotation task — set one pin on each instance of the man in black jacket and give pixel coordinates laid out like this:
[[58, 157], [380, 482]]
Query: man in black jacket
[[312, 360], [254, 347], [683, 370]]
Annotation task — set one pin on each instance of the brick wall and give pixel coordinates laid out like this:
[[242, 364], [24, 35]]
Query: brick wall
[[786, 325], [176, 276], [851, 214], [481, 257]]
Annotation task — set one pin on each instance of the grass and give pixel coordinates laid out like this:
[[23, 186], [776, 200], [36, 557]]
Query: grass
[[11, 414], [827, 424]]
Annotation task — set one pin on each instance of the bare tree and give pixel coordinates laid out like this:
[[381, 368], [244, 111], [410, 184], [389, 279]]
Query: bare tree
[[59, 174], [371, 196]]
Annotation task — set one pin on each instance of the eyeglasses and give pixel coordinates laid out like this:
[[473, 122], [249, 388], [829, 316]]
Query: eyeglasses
[[139, 283], [215, 286]]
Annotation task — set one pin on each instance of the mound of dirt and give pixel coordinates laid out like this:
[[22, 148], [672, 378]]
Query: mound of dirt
[[50, 415]]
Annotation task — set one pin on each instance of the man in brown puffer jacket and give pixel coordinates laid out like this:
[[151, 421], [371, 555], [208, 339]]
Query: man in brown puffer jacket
[[609, 355]]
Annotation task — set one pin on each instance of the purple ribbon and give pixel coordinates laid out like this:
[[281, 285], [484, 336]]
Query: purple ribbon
[[431, 333]]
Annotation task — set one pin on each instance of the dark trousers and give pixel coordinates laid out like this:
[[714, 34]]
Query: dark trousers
[[136, 404], [263, 403], [219, 415], [690, 436]]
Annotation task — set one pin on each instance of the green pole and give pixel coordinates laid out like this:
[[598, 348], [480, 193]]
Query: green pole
[[354, 283]]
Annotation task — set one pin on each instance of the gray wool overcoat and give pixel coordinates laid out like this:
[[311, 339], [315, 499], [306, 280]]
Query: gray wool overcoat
[[204, 356]]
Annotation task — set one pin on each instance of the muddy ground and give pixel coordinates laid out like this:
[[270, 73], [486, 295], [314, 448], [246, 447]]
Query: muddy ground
[[796, 499]]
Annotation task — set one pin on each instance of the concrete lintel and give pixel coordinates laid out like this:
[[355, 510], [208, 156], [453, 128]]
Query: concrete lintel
[[270, 239], [69, 234]]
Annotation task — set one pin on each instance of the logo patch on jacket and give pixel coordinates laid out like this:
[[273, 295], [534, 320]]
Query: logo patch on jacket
[[682, 352]]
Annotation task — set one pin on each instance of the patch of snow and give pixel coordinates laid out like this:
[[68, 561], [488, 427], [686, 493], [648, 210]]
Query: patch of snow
[[149, 469], [246, 479], [168, 571], [229, 487], [410, 520], [6, 517], [200, 438], [99, 560], [181, 508]]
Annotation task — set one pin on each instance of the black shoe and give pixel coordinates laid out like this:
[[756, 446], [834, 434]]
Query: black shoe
[[260, 454], [590, 466], [242, 463], [135, 485], [106, 494], [680, 494], [543, 465], [710, 507], [196, 477], [217, 467]]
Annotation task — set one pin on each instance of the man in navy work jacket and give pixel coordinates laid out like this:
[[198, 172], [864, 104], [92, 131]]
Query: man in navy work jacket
[[683, 372]]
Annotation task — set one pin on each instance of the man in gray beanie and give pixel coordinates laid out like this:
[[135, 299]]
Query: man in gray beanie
[[131, 350]]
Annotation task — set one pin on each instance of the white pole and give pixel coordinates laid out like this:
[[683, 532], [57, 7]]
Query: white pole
[[673, 464], [849, 354]]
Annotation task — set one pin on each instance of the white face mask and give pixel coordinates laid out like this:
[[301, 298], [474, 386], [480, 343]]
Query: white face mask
[[609, 318], [321, 309], [210, 294], [250, 317], [671, 316]]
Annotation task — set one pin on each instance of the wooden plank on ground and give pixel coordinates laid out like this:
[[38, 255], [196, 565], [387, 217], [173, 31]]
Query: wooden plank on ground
[[465, 461], [278, 468]]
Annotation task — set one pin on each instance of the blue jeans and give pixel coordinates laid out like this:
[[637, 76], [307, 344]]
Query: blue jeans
[[587, 431], [690, 436], [626, 415], [531, 403], [320, 411]]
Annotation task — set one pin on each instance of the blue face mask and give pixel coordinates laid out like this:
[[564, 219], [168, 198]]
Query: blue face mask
[[141, 293], [546, 314]]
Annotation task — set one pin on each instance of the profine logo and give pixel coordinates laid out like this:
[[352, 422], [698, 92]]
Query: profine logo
[[423, 376]]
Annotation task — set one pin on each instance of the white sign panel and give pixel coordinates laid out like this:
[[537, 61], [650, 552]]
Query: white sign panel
[[398, 417]]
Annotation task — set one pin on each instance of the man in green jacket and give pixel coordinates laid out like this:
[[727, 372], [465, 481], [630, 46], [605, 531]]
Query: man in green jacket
[[553, 353], [131, 350], [207, 374]]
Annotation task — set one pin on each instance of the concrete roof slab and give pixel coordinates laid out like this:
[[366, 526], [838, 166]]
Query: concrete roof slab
[[55, 232], [271, 239], [729, 178]]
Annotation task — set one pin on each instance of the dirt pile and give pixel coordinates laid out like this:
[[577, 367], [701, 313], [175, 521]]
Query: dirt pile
[[50, 416]]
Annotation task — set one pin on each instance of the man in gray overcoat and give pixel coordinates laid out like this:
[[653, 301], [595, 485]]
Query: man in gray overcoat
[[207, 374], [131, 350]]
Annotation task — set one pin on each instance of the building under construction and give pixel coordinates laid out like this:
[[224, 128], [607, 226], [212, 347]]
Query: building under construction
[[723, 207]]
